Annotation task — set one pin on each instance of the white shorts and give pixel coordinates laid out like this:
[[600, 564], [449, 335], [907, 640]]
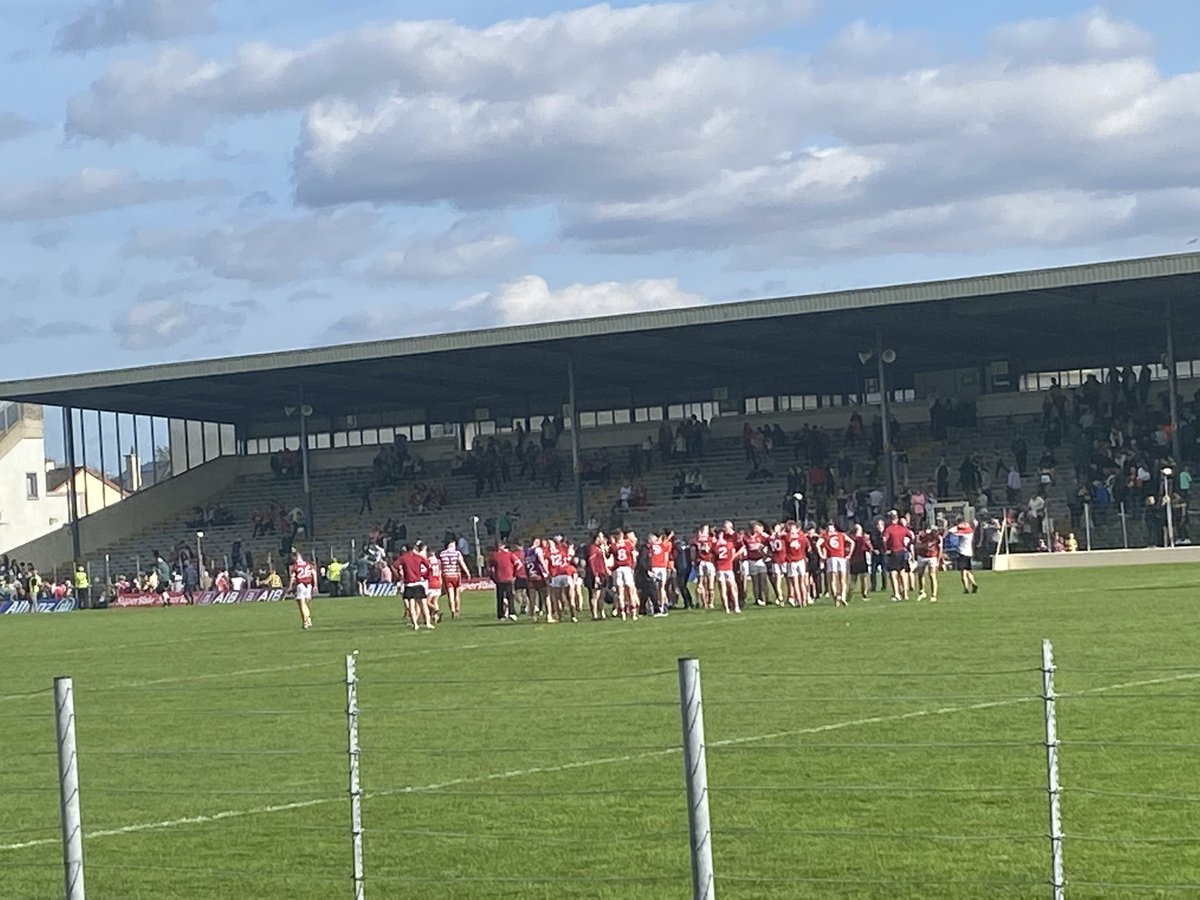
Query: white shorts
[[658, 576], [745, 567], [757, 566], [560, 581], [797, 569], [623, 577], [926, 562], [727, 576], [707, 569], [304, 591], [836, 565]]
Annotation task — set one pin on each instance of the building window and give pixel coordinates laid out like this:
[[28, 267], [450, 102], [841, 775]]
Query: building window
[[31, 486]]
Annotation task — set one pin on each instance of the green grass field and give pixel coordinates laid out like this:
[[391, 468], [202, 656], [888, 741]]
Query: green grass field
[[881, 751]]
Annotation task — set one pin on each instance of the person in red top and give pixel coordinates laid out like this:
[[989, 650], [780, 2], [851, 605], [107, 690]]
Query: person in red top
[[966, 553], [558, 574], [741, 567], [725, 554], [928, 545], [896, 542], [706, 569], [520, 591], [797, 565], [777, 550], [833, 549], [860, 563], [599, 575], [659, 548], [754, 547], [500, 567], [414, 571], [624, 554], [433, 591], [301, 584]]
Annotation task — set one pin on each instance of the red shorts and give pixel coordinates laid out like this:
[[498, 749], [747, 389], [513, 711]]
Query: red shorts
[[452, 581]]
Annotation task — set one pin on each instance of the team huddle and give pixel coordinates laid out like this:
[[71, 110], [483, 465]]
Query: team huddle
[[788, 565]]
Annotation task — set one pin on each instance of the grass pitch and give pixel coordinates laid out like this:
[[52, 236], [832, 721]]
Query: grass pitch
[[881, 751]]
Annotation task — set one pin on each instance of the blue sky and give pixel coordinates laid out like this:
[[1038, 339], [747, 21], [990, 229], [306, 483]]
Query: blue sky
[[196, 178]]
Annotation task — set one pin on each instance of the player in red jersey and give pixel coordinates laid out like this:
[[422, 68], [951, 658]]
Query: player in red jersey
[[860, 561], [896, 542], [624, 554], [434, 584], [414, 569], [706, 570], [797, 566], [725, 552], [599, 575], [928, 547], [557, 563], [659, 548], [520, 584], [832, 546], [454, 567], [741, 566], [301, 584], [777, 550], [754, 547]]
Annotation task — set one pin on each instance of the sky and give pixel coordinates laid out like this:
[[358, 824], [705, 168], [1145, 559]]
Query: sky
[[186, 179]]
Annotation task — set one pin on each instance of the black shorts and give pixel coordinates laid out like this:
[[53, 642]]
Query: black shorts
[[597, 582], [415, 592], [521, 584], [963, 563], [858, 567], [897, 562]]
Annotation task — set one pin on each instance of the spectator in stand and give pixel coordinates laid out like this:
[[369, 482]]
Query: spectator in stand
[[941, 477]]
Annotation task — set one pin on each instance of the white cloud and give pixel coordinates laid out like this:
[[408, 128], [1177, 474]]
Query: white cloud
[[268, 253], [13, 127], [108, 23], [670, 127], [468, 248], [530, 299], [1090, 35], [93, 190], [178, 95], [154, 324]]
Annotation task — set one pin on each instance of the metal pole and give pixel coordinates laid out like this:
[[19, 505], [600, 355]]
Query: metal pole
[[1087, 523], [107, 572], [103, 461], [1170, 511], [889, 493], [579, 511], [68, 784], [1058, 879], [1172, 387], [1124, 527], [72, 488], [200, 557], [356, 828], [309, 528], [695, 768]]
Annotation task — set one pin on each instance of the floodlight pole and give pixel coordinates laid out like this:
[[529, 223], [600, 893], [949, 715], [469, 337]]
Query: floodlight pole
[[579, 511]]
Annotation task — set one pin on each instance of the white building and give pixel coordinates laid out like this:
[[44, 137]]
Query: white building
[[28, 509]]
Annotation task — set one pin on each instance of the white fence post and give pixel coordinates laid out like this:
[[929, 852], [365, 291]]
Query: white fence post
[[1124, 527], [1058, 880], [1087, 521], [68, 785], [356, 829], [695, 766]]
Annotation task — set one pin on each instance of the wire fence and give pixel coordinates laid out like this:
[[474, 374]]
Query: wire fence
[[996, 782]]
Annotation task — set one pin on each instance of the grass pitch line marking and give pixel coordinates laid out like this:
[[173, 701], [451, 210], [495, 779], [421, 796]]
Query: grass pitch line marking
[[591, 763]]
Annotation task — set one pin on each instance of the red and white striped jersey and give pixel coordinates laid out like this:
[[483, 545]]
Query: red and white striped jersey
[[452, 562]]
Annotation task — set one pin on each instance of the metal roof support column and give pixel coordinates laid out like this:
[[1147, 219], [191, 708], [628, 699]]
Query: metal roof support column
[[72, 496], [309, 528], [579, 512], [1172, 386], [889, 490]]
